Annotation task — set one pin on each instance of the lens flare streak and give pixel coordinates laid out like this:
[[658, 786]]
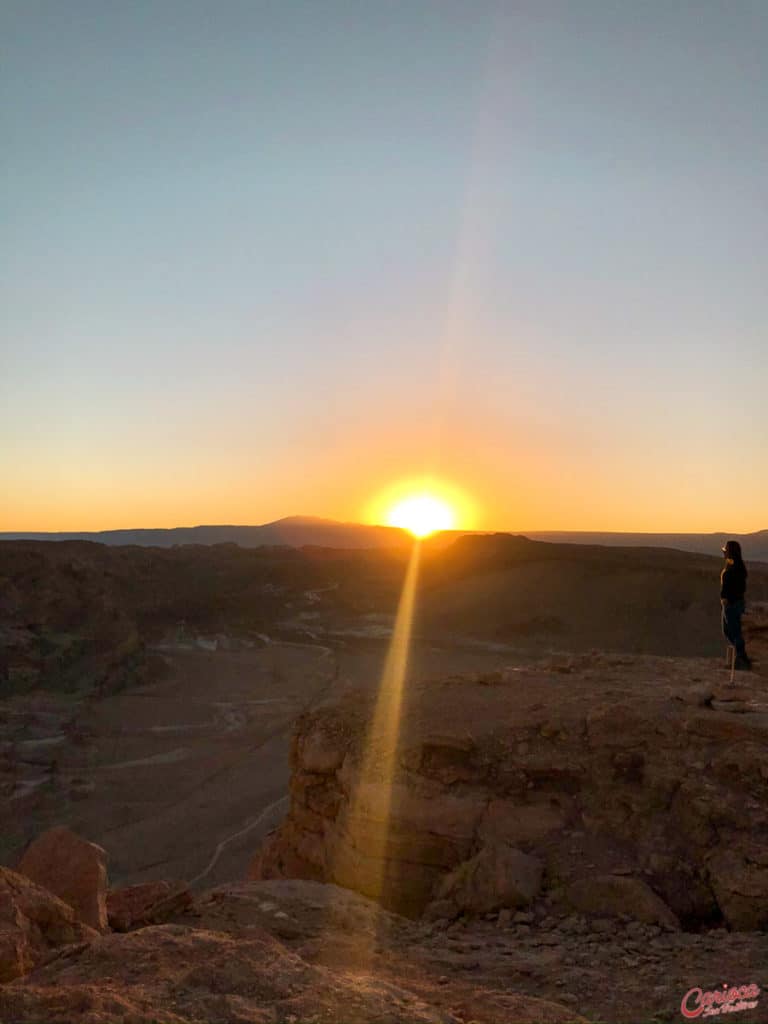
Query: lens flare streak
[[360, 856]]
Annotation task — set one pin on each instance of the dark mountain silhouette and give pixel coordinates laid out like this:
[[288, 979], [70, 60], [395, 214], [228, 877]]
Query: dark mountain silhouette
[[754, 545], [294, 531], [313, 531]]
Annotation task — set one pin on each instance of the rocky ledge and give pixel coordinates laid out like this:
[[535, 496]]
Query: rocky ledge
[[631, 787]]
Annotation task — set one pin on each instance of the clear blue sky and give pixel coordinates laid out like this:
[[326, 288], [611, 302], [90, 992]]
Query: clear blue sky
[[264, 258]]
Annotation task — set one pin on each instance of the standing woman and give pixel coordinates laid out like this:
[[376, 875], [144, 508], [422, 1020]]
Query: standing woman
[[733, 583]]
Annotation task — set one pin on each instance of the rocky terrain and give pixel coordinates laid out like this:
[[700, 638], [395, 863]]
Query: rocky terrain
[[543, 876], [78, 617], [648, 771], [524, 837]]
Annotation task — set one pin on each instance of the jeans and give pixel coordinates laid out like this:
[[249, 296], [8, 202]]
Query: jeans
[[732, 612]]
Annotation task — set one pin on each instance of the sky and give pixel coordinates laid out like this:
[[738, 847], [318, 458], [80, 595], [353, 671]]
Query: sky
[[267, 258]]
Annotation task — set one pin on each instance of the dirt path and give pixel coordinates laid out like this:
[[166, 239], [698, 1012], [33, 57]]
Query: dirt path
[[280, 804]]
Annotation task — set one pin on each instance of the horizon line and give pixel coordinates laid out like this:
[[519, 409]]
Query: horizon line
[[381, 526]]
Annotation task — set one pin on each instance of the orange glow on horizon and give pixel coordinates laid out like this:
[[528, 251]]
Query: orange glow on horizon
[[422, 515], [423, 506]]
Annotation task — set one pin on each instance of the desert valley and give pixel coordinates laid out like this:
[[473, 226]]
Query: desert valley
[[575, 789]]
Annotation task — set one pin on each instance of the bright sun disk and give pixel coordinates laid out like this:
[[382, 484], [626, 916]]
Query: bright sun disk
[[422, 515]]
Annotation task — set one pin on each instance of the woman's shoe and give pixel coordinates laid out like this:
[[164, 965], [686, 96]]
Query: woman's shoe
[[743, 663]]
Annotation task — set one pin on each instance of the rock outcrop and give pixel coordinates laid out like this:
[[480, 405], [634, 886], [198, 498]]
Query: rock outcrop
[[290, 949], [133, 906], [260, 952], [33, 922], [71, 868], [637, 795]]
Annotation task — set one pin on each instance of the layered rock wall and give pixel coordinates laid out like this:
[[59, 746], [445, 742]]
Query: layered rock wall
[[639, 785]]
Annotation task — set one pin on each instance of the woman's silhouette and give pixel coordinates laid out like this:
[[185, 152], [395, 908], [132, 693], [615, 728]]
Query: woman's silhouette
[[733, 583]]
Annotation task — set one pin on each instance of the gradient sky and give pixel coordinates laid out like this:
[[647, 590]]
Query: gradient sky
[[267, 258]]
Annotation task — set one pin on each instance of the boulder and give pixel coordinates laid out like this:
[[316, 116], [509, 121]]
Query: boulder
[[133, 906], [619, 894], [498, 876], [32, 923], [71, 868], [739, 879]]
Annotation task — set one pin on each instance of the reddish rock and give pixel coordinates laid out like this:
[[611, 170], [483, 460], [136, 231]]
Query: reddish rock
[[73, 869], [739, 879], [147, 903], [32, 923], [616, 894], [498, 876]]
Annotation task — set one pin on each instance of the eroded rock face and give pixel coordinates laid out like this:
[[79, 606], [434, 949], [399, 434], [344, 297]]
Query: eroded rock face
[[71, 868], [32, 923], [618, 768]]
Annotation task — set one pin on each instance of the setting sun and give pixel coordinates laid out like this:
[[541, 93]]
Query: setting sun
[[423, 505], [422, 515]]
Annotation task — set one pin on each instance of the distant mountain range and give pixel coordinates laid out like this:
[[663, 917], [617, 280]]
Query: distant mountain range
[[311, 531], [293, 531], [754, 545]]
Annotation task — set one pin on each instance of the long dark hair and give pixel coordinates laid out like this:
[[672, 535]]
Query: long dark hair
[[732, 550]]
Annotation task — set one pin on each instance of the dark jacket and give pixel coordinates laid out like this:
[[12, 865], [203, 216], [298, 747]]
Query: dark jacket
[[733, 581]]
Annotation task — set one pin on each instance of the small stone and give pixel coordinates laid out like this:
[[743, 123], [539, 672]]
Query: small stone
[[504, 918], [440, 909], [601, 926]]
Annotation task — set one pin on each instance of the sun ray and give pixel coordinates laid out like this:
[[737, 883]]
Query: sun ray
[[359, 856]]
